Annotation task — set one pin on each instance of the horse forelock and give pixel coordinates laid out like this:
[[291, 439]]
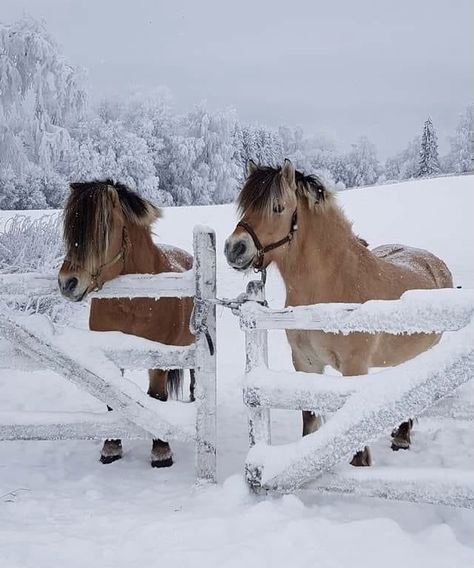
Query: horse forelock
[[261, 189], [88, 219], [264, 187]]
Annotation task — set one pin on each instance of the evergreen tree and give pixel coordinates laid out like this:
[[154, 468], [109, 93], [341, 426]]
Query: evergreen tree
[[461, 158], [428, 164]]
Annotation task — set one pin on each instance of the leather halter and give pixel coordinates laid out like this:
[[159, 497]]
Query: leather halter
[[261, 250], [96, 281]]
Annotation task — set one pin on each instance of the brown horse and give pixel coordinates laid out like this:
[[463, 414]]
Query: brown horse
[[107, 231], [294, 221]]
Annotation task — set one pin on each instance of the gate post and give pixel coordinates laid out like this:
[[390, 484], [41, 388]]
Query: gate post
[[256, 355], [204, 323]]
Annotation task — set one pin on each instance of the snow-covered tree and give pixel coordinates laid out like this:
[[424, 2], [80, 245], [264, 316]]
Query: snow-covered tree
[[40, 98], [461, 157], [360, 166], [428, 159], [404, 165]]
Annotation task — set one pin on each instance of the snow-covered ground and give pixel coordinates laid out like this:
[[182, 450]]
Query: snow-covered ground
[[60, 507]]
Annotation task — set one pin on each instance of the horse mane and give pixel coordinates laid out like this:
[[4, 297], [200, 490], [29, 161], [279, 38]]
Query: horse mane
[[88, 218], [263, 188]]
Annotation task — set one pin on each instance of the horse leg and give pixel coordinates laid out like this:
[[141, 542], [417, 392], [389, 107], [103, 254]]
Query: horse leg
[[112, 449], [192, 385], [161, 455], [311, 421], [401, 436], [355, 366]]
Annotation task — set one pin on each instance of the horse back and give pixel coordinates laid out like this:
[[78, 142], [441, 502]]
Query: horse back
[[418, 268]]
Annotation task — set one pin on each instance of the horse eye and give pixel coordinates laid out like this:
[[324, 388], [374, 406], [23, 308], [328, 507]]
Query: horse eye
[[278, 208]]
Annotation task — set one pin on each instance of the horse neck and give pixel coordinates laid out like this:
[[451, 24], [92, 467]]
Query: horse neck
[[143, 256], [326, 261]]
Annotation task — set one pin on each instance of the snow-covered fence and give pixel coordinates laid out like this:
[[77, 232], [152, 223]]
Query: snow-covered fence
[[92, 361], [361, 408]]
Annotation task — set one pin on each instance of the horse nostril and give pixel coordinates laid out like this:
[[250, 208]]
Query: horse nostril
[[70, 284], [239, 249]]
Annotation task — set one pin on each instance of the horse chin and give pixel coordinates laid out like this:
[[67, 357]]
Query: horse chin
[[246, 267], [76, 297]]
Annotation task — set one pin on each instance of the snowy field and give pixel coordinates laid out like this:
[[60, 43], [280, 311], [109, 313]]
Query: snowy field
[[60, 507]]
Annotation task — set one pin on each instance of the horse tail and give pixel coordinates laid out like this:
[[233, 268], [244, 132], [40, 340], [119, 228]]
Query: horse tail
[[175, 383]]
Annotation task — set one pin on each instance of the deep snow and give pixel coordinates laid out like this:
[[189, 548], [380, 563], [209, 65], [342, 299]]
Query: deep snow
[[59, 506]]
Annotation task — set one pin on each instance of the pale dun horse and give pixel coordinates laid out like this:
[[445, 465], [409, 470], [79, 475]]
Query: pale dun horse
[[107, 232], [293, 221]]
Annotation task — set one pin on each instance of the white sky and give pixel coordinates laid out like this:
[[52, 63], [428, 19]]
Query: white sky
[[339, 67]]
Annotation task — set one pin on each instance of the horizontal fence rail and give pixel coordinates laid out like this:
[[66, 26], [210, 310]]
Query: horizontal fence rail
[[165, 285], [417, 311], [439, 486], [67, 426]]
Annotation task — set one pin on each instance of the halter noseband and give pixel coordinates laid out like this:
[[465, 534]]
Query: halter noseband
[[261, 250], [96, 283]]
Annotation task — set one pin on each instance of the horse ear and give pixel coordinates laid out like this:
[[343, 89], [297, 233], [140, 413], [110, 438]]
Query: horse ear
[[288, 172], [252, 167]]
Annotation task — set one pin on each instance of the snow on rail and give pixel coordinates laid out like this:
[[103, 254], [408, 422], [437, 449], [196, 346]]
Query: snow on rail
[[165, 285], [28, 284], [67, 426], [90, 370], [417, 311], [439, 486], [387, 399], [294, 390]]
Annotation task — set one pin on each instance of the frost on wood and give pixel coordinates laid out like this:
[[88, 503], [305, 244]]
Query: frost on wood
[[28, 284], [298, 391], [389, 398], [439, 486], [417, 311], [90, 370], [164, 285], [67, 426], [204, 326]]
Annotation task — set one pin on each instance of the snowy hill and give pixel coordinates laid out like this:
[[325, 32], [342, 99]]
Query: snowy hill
[[69, 509]]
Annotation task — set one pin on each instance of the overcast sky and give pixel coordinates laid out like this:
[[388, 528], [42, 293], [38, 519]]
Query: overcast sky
[[340, 67]]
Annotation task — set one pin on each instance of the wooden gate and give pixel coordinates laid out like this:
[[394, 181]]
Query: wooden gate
[[92, 361], [361, 408]]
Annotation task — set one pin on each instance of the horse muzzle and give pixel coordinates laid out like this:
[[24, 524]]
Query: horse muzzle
[[72, 288], [240, 252]]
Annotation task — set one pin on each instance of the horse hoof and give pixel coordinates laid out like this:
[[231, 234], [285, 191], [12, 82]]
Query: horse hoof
[[167, 462], [362, 458], [109, 459], [400, 444]]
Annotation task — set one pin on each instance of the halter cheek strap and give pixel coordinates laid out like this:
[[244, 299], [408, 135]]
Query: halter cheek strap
[[261, 250], [96, 281]]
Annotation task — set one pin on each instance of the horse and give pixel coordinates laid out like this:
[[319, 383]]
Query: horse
[[107, 233], [294, 221]]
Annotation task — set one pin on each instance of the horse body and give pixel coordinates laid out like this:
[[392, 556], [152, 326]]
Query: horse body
[[107, 232], [324, 261]]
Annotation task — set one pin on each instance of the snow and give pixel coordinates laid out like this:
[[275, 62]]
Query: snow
[[60, 506]]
